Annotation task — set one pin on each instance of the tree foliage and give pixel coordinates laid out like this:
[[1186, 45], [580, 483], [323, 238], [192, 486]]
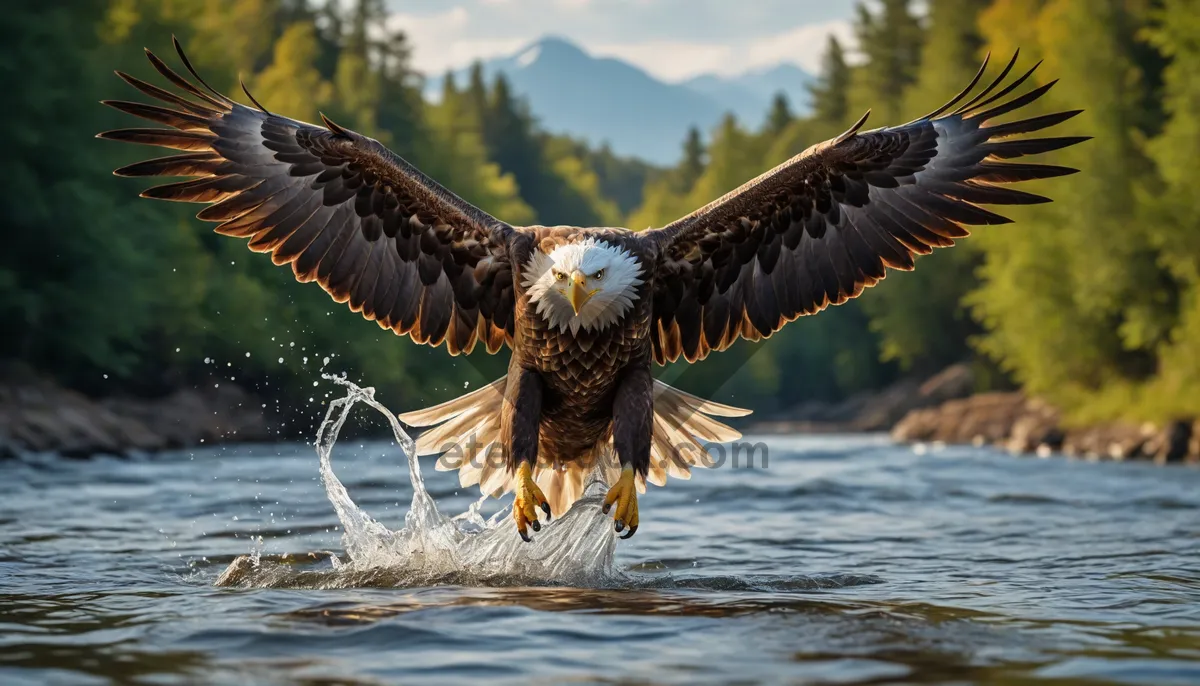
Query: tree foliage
[[1092, 301]]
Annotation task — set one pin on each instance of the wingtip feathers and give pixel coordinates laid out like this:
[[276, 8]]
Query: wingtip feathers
[[246, 90], [329, 124], [849, 133]]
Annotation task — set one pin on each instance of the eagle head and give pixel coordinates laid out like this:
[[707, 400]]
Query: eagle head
[[587, 284]]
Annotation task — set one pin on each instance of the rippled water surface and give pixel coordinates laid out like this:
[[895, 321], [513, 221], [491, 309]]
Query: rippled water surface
[[847, 560]]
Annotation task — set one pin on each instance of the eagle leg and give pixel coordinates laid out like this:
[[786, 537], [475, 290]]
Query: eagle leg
[[633, 426], [624, 495], [527, 499], [523, 417]]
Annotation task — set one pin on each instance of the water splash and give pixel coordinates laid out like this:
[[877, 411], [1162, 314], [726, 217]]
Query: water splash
[[576, 548]]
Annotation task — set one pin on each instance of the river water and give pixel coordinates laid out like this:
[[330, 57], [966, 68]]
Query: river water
[[846, 560]]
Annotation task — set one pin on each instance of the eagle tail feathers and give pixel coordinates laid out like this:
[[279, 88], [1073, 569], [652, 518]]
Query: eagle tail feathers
[[683, 426]]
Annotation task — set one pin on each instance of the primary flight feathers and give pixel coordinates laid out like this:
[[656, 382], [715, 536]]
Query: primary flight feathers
[[819, 228], [375, 232]]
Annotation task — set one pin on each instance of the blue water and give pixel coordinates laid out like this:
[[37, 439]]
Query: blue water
[[846, 560]]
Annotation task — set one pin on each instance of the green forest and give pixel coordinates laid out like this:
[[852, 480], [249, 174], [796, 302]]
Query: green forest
[[1092, 302]]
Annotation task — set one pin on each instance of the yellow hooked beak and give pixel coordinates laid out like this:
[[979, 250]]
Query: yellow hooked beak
[[577, 292]]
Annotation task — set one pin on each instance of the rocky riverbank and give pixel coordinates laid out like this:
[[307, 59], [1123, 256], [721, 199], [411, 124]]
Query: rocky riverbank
[[1021, 424], [945, 409], [37, 415]]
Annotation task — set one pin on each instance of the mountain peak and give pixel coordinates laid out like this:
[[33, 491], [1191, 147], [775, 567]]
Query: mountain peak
[[557, 46], [608, 99]]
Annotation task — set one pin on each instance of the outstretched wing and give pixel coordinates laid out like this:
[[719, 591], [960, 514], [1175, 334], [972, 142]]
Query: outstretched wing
[[818, 229], [339, 207]]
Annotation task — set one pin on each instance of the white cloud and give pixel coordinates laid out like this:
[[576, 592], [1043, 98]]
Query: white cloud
[[803, 45], [678, 60], [668, 60], [440, 40]]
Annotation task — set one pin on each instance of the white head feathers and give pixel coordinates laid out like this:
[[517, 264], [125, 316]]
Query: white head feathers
[[612, 276]]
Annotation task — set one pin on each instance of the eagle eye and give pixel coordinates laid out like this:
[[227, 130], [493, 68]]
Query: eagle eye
[[560, 276], [598, 275]]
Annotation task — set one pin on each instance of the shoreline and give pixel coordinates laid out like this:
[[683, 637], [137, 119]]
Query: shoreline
[[945, 409], [39, 416]]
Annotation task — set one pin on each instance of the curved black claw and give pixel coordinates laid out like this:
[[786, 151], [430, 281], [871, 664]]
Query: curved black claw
[[524, 536], [632, 531], [620, 526], [535, 525], [546, 509]]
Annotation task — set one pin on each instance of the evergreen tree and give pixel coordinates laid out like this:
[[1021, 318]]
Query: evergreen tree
[[891, 43], [919, 315], [831, 93], [779, 116], [952, 51], [692, 165], [731, 161], [399, 111], [558, 186], [455, 154], [476, 92], [623, 179]]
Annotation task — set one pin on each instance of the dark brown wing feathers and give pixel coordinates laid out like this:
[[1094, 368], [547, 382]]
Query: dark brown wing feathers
[[338, 207], [820, 228]]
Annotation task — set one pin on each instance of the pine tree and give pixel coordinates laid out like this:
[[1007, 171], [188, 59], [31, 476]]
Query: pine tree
[[399, 111], [455, 154], [693, 162], [779, 116], [476, 92], [891, 43], [831, 93], [950, 56], [919, 316], [733, 157]]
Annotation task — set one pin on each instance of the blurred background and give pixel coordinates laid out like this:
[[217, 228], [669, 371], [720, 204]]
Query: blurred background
[[159, 332]]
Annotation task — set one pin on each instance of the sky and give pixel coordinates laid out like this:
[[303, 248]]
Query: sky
[[671, 39]]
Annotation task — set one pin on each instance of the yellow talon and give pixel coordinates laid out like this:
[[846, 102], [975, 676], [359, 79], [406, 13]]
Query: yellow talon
[[528, 498], [624, 495]]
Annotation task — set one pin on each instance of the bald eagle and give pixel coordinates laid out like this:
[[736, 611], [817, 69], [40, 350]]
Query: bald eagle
[[586, 312]]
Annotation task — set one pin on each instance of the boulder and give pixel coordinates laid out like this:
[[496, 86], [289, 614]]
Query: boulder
[[1036, 429], [1114, 440], [1171, 443], [983, 418], [209, 413], [37, 415]]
